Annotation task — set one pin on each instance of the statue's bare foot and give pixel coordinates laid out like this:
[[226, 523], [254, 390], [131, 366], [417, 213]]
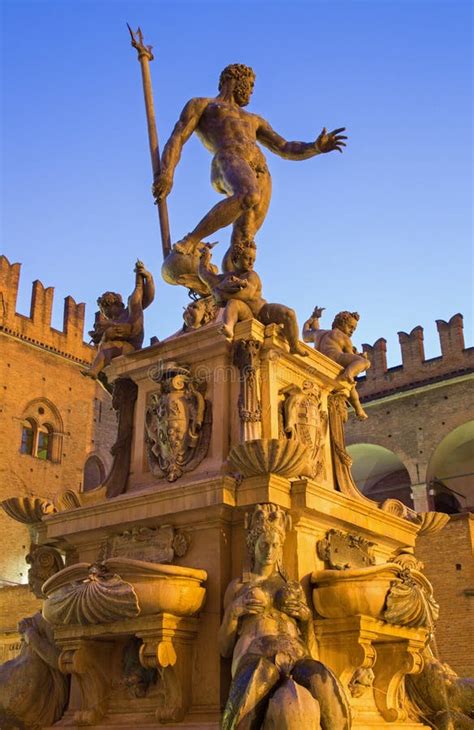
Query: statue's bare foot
[[361, 415], [226, 331], [299, 349]]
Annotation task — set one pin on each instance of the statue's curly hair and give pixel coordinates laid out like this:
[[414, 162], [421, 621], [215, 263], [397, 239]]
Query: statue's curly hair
[[239, 248], [343, 317], [109, 298], [240, 73]]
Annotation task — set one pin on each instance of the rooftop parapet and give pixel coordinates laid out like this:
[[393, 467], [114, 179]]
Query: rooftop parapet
[[455, 359], [451, 336], [37, 327]]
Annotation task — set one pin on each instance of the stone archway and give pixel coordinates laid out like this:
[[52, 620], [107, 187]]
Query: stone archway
[[450, 473], [380, 474]]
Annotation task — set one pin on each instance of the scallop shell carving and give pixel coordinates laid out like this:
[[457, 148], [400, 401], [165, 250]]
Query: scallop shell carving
[[410, 601], [432, 522], [394, 507], [28, 510], [286, 457], [98, 599]]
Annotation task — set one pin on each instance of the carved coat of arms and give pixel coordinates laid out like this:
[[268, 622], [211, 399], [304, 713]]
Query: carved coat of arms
[[178, 423], [304, 419]]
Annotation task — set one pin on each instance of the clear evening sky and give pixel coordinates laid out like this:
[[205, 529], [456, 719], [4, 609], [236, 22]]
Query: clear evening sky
[[384, 228]]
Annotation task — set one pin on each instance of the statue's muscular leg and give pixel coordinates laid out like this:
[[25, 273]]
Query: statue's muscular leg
[[105, 355], [235, 178], [248, 694], [353, 364], [234, 311], [327, 690], [279, 314], [247, 225], [356, 404]]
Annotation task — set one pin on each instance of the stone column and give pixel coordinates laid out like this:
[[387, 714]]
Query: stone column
[[247, 359], [421, 498]]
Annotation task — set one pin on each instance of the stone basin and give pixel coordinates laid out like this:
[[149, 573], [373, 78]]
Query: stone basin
[[121, 588], [353, 592]]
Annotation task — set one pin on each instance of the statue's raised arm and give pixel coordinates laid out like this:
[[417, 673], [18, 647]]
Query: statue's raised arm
[[144, 291], [326, 142], [182, 131]]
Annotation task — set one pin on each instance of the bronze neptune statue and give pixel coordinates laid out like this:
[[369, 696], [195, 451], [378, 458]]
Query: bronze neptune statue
[[239, 169]]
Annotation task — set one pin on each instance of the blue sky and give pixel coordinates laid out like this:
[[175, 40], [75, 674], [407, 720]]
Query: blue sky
[[384, 228]]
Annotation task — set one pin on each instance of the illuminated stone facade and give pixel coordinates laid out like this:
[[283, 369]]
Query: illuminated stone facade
[[53, 420]]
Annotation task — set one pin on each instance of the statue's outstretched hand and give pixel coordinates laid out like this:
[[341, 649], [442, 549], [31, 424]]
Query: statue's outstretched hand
[[328, 141], [162, 186]]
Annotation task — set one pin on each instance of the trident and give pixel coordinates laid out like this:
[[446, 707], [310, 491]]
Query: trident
[[145, 55]]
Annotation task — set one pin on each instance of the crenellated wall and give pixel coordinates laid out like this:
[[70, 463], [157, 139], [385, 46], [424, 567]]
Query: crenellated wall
[[455, 359], [37, 327], [41, 383]]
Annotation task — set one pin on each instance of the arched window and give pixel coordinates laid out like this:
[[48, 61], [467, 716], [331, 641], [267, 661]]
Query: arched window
[[94, 473], [27, 436], [44, 442], [41, 431]]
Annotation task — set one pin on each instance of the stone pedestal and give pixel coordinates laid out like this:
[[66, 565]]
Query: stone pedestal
[[271, 426]]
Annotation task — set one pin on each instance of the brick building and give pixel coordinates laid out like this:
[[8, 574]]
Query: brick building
[[418, 446], [56, 426]]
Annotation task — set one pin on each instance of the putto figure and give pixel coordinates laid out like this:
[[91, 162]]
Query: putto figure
[[267, 629], [119, 329], [336, 344], [240, 293], [239, 170]]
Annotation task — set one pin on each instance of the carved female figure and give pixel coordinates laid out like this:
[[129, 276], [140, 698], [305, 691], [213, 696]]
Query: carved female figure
[[267, 629]]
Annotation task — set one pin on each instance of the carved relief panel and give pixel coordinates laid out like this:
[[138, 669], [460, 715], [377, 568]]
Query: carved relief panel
[[153, 544]]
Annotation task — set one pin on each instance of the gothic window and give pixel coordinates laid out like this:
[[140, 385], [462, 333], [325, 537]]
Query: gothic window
[[41, 431], [27, 437], [94, 473], [44, 442]]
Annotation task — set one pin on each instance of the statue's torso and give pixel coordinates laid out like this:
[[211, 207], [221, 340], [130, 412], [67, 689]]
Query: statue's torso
[[270, 632], [330, 342], [226, 128], [251, 296]]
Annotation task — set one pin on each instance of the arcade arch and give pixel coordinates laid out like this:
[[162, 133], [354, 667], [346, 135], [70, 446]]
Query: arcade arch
[[380, 474], [450, 472]]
